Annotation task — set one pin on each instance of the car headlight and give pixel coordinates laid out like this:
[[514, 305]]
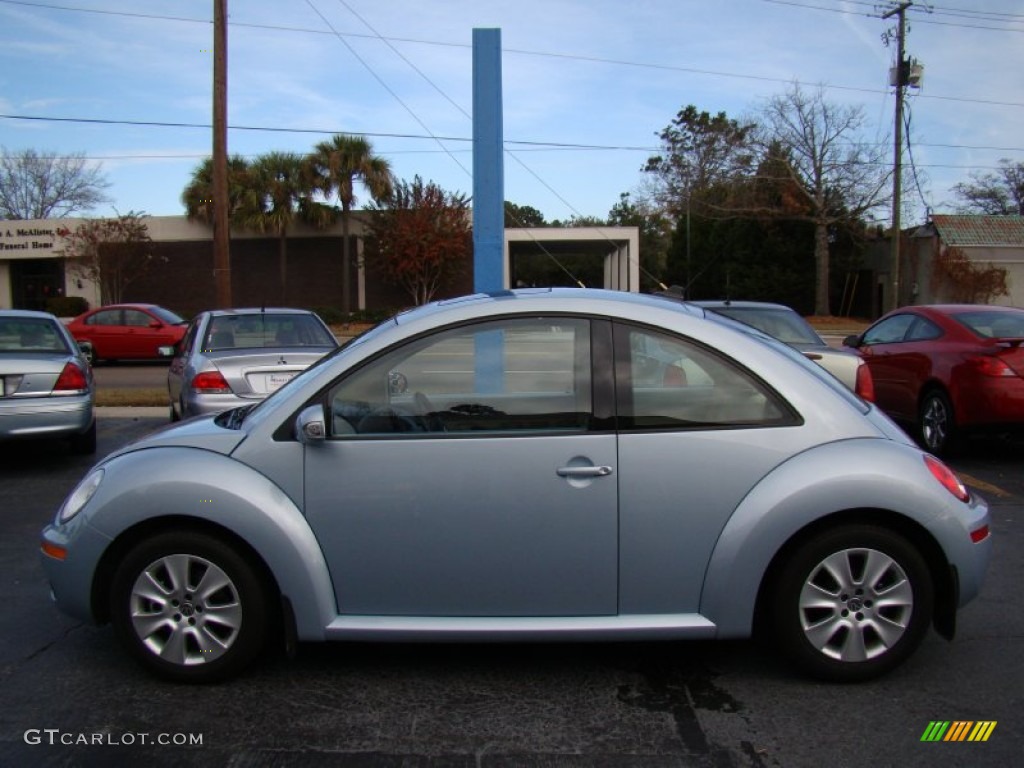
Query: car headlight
[[80, 496]]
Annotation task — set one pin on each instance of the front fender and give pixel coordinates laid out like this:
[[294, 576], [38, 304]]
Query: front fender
[[860, 474], [150, 484]]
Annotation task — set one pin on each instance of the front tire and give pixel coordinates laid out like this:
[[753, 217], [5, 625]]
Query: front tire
[[189, 607], [852, 603], [85, 443]]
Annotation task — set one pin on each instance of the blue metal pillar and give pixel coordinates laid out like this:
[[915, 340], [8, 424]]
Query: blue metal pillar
[[488, 164]]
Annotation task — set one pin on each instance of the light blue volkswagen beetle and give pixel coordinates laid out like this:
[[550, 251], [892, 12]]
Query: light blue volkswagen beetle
[[530, 465]]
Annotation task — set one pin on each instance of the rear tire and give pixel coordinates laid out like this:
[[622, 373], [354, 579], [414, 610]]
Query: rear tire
[[852, 603], [189, 607], [937, 423]]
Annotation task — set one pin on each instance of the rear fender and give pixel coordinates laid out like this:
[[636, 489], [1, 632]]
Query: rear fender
[[886, 477]]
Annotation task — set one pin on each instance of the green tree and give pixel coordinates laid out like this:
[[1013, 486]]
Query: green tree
[[421, 236], [994, 194], [113, 253], [700, 152], [655, 237], [197, 197], [520, 216], [337, 166], [283, 186]]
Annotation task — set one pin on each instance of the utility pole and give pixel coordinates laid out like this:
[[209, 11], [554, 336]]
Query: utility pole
[[221, 233], [902, 72]]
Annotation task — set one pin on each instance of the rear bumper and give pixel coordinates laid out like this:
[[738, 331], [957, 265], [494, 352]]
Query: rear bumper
[[53, 416], [201, 405]]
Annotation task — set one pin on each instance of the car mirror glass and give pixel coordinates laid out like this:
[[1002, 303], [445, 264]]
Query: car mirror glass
[[310, 425]]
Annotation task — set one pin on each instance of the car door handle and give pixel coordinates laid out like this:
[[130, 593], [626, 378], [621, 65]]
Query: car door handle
[[584, 471]]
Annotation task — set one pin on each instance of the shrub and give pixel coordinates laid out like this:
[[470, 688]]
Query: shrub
[[66, 306]]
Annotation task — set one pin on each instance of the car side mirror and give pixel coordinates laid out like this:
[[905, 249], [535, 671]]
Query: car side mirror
[[310, 426], [156, 324], [852, 341]]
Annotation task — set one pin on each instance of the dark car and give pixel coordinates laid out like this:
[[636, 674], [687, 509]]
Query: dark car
[[948, 369], [126, 331]]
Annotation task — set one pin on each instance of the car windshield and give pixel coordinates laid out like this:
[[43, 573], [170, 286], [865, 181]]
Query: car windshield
[[783, 324], [29, 334], [991, 324], [167, 316], [265, 329]]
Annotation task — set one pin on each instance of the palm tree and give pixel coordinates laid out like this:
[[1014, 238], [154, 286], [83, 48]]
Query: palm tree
[[337, 165], [283, 186], [197, 196]]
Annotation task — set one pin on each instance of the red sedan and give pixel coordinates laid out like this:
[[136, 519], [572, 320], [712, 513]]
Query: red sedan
[[948, 369], [126, 331]]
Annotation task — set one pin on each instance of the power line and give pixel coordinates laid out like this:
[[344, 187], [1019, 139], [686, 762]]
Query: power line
[[527, 52]]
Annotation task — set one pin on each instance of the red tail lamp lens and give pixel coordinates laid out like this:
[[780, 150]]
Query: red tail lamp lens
[[945, 475], [71, 380], [980, 534], [210, 382], [865, 385]]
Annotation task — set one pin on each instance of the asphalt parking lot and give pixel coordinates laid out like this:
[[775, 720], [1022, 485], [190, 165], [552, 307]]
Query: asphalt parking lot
[[69, 696]]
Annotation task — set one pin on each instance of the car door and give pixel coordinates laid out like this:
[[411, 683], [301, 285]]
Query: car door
[[696, 432], [896, 349], [176, 371], [104, 332], [468, 474]]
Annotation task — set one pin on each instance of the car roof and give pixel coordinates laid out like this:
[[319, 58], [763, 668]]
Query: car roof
[[27, 313], [258, 311], [721, 303]]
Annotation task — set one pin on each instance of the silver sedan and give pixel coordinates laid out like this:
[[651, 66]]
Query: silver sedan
[[236, 357], [786, 325], [543, 465], [46, 385]]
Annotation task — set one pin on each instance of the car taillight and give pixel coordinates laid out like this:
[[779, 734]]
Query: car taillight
[[945, 475], [865, 384], [72, 381], [991, 366], [210, 382]]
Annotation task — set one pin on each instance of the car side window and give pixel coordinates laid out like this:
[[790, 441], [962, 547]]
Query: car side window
[[923, 330], [674, 383], [105, 317], [518, 375], [189, 339], [136, 318], [889, 331]]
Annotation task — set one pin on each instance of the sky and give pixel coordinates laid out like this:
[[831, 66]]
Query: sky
[[587, 85]]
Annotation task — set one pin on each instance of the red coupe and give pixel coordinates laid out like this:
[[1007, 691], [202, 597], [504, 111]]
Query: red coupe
[[126, 331], [948, 369]]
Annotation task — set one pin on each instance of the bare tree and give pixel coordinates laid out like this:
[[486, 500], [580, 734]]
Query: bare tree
[[995, 194], [45, 185], [840, 177], [113, 253]]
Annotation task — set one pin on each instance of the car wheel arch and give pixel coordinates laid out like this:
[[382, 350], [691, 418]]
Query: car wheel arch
[[773, 515], [942, 576], [260, 517], [131, 537]]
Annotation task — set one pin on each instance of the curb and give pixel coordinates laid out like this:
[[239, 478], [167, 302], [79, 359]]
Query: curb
[[131, 412]]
